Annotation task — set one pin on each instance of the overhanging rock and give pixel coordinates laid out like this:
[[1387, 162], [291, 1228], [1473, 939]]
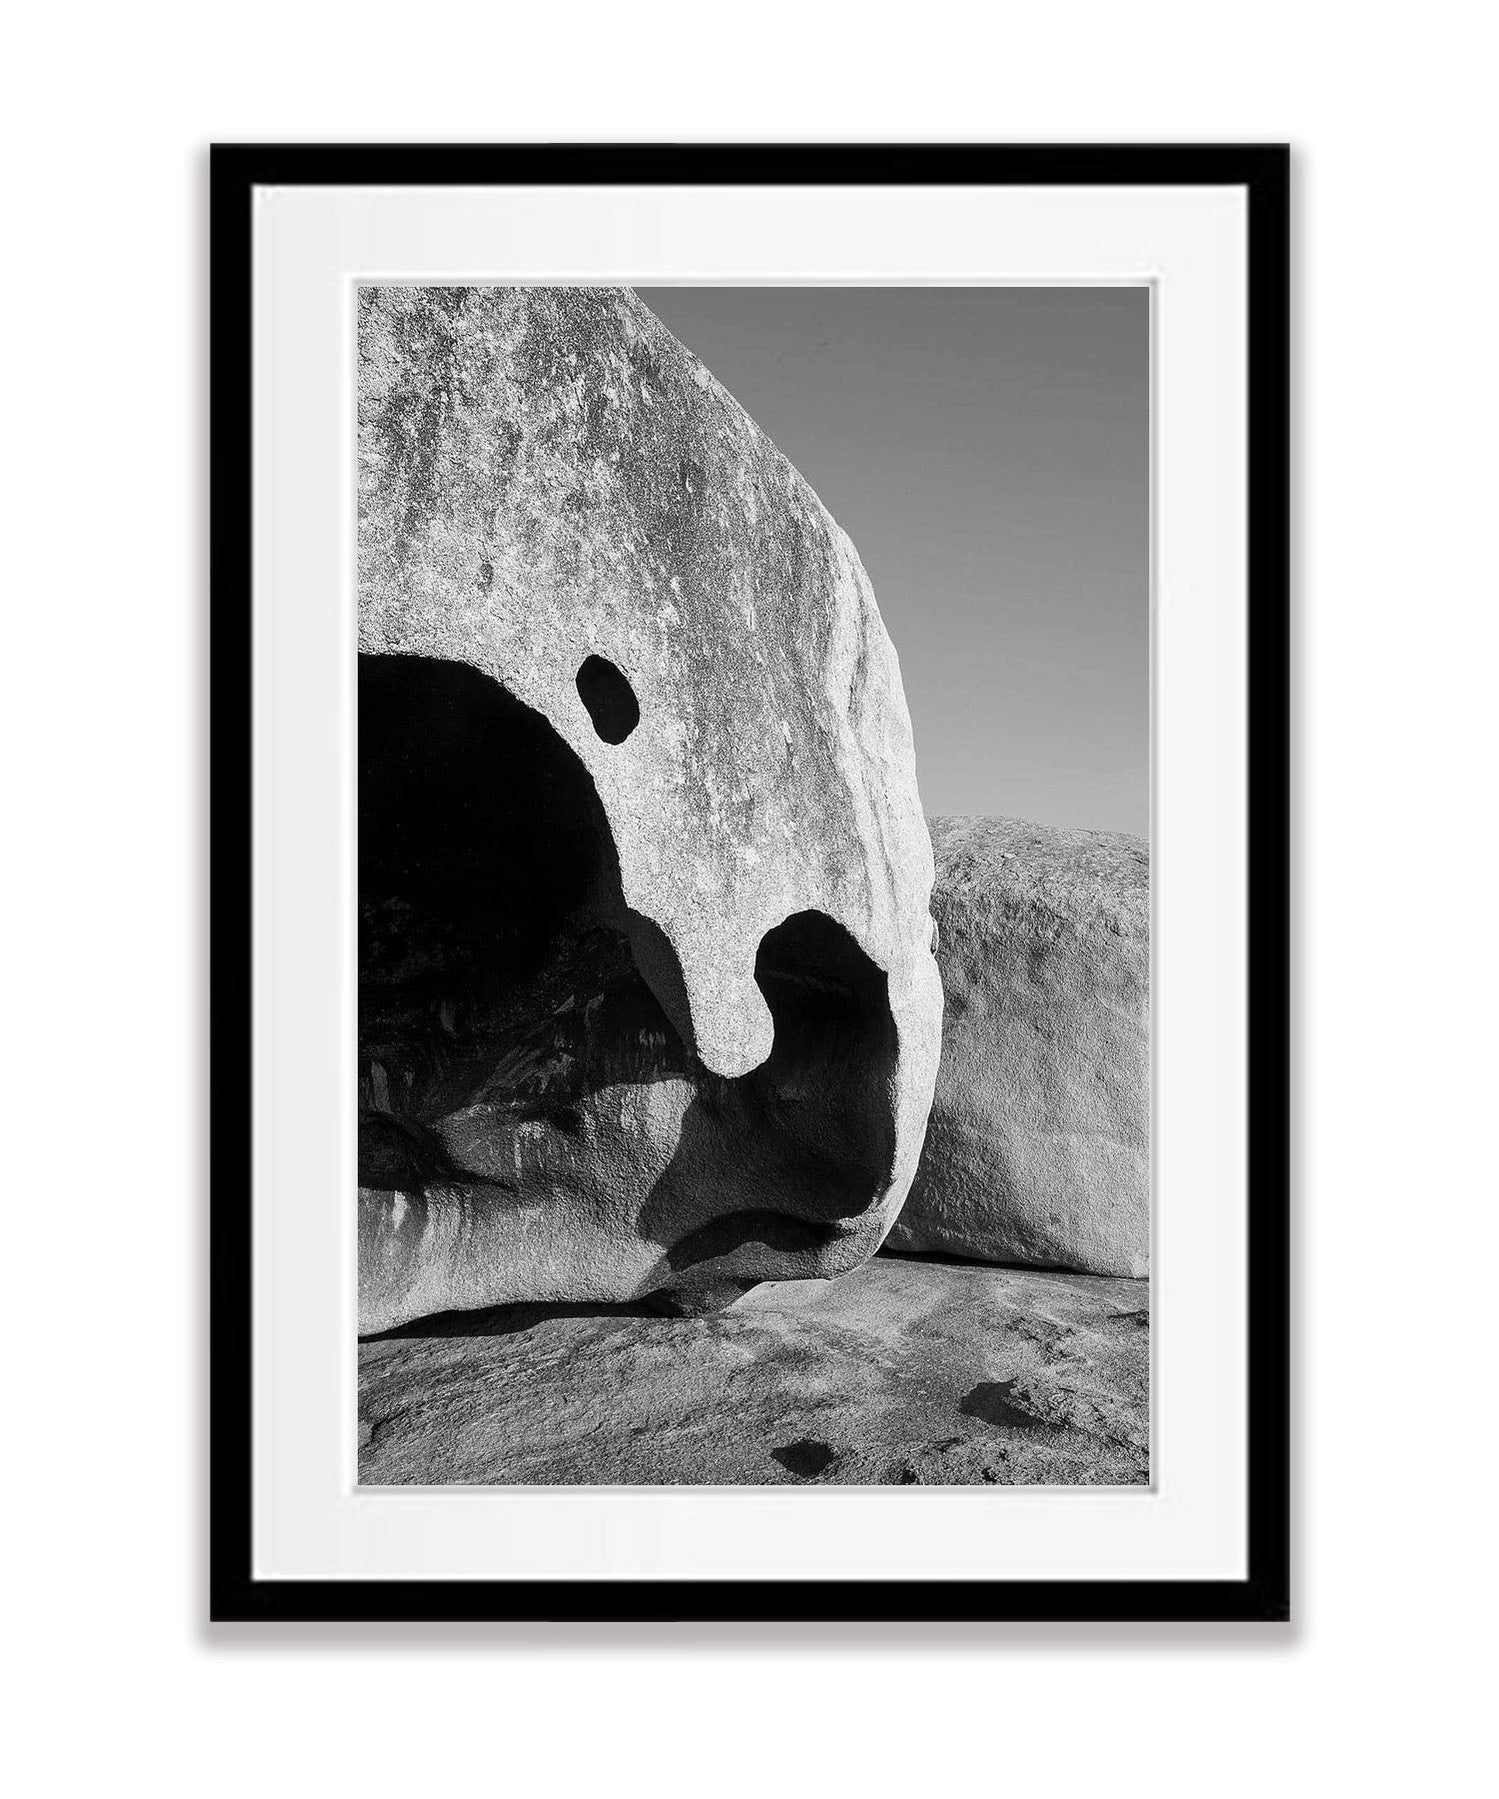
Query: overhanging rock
[[647, 998]]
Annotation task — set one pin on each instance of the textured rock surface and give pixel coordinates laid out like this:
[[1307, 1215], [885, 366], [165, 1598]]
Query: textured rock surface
[[646, 990], [1038, 1146], [903, 1372]]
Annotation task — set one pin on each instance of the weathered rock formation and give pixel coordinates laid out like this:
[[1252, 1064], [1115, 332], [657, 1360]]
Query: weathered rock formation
[[1038, 1146], [906, 1372], [646, 993]]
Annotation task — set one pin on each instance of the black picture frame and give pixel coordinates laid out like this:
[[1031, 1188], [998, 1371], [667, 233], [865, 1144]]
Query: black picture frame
[[1262, 171]]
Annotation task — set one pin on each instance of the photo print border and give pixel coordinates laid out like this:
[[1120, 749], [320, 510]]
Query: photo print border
[[237, 1590]]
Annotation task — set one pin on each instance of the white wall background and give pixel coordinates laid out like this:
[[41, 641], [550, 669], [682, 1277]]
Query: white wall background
[[116, 1683]]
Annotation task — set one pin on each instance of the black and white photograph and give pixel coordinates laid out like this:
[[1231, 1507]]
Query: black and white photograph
[[750, 989], [760, 686], [754, 900]]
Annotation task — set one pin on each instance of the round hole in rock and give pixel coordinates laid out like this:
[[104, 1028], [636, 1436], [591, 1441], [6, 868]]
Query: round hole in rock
[[606, 692]]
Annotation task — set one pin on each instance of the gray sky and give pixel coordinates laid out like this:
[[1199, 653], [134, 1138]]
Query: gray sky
[[988, 450]]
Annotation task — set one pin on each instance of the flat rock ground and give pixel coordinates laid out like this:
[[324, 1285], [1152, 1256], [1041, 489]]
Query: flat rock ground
[[912, 1370]]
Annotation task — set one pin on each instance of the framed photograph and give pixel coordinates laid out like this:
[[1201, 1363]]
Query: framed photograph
[[749, 883]]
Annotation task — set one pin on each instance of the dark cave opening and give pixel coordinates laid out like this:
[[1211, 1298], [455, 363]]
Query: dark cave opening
[[488, 900], [829, 1073], [798, 1149], [498, 988]]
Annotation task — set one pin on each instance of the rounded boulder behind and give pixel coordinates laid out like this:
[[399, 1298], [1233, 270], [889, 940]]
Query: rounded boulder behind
[[1038, 1145]]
